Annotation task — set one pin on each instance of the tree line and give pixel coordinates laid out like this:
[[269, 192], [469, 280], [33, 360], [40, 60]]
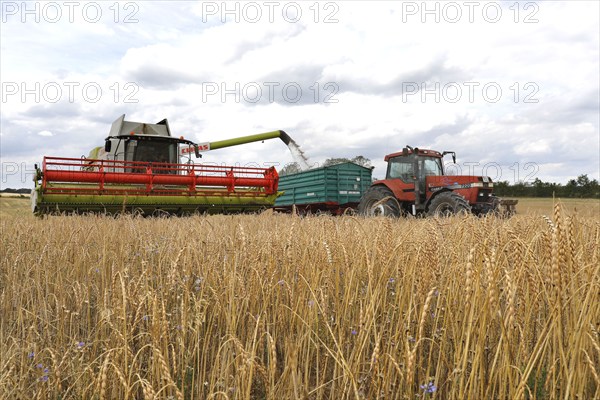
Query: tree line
[[582, 187]]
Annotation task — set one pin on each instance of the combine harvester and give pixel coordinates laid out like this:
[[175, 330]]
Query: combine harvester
[[140, 170]]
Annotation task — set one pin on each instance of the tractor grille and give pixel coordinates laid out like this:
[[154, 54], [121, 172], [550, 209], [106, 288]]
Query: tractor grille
[[484, 195]]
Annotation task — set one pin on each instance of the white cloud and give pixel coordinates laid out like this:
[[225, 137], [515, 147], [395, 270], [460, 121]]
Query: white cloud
[[45, 133], [536, 147]]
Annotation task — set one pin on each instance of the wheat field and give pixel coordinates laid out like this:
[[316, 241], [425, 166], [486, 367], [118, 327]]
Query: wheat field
[[283, 307]]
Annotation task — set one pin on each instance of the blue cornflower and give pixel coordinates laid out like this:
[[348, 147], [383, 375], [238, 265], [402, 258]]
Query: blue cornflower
[[354, 332], [44, 378], [428, 388], [80, 345], [31, 354]]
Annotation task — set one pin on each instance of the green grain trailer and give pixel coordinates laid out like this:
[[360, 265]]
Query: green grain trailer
[[332, 189]]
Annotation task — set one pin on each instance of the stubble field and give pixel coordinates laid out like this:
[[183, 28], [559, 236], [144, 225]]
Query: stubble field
[[282, 307]]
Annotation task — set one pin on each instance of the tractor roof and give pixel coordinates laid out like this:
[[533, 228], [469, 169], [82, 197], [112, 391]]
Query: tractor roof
[[421, 152]]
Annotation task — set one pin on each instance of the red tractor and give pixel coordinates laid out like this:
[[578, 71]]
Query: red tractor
[[415, 184]]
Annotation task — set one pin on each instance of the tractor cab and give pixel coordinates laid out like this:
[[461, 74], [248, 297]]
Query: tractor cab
[[412, 163], [412, 167]]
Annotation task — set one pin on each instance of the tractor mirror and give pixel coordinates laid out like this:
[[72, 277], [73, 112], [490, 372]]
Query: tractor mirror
[[107, 145], [453, 155]]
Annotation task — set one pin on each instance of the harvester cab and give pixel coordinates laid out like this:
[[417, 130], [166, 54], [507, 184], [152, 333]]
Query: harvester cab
[[143, 168], [416, 183], [144, 142]]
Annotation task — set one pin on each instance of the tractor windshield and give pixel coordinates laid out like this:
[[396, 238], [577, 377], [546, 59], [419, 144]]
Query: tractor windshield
[[403, 168]]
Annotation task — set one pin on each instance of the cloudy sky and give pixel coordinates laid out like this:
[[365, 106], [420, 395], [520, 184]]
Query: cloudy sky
[[512, 87]]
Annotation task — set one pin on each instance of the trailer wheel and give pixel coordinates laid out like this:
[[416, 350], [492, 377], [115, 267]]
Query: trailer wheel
[[379, 200], [448, 203]]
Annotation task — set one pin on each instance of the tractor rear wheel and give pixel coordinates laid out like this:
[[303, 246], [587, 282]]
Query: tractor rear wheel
[[448, 203], [379, 200]]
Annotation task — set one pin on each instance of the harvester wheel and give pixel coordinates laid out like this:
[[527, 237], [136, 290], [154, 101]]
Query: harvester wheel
[[379, 200], [448, 203]]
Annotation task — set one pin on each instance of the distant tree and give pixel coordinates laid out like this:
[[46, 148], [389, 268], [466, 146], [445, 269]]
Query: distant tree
[[587, 187], [570, 189], [594, 189], [334, 161], [294, 167], [583, 180], [360, 160], [538, 187], [502, 188], [291, 168]]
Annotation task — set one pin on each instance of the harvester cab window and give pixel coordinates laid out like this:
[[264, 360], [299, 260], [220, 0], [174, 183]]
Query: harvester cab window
[[156, 152]]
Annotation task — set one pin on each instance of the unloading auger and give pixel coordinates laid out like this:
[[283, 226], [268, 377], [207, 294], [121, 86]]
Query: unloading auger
[[140, 169]]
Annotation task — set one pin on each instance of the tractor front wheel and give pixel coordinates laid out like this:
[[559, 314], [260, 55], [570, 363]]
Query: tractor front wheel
[[379, 200], [492, 208], [448, 203]]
